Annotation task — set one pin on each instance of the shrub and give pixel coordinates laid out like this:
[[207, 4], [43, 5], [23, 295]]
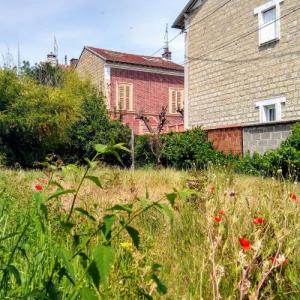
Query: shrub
[[181, 150]]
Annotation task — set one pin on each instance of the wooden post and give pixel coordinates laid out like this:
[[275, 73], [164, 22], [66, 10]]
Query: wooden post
[[132, 150]]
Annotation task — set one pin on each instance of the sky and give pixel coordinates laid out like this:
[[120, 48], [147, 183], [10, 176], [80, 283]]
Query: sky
[[133, 26]]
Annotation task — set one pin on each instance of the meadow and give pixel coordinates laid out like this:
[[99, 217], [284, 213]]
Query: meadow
[[147, 234]]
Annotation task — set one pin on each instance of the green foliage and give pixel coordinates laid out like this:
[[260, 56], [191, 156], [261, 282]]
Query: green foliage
[[283, 161], [38, 118], [47, 253], [181, 150]]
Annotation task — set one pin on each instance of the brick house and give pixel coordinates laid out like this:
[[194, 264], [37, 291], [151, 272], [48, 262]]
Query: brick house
[[134, 83], [242, 71]]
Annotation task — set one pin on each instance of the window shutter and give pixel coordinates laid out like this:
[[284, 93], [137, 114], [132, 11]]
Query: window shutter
[[173, 102], [127, 96], [121, 96], [179, 100]]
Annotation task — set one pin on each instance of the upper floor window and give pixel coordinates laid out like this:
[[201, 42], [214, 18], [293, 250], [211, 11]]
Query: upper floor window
[[270, 110], [124, 96], [175, 101], [268, 21]]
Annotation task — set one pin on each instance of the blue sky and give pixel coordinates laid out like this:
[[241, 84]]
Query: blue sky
[[134, 26]]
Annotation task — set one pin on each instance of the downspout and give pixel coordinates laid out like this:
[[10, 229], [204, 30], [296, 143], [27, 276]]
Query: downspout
[[186, 75]]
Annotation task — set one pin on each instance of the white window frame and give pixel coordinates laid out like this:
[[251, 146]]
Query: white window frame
[[278, 108], [260, 11]]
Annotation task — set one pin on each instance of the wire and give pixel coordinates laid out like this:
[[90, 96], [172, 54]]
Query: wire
[[239, 38], [193, 24]]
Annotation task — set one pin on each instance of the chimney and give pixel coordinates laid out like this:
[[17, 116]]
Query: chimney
[[167, 54], [52, 59], [73, 62]]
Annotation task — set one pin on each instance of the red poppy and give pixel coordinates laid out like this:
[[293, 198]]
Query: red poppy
[[38, 187], [222, 212], [293, 196], [245, 244], [218, 219], [259, 220]]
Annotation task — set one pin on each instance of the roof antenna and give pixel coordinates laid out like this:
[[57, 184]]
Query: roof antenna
[[167, 54]]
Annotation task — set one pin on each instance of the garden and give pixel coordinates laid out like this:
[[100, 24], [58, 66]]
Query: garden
[[76, 222]]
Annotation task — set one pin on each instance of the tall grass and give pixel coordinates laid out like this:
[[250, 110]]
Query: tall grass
[[189, 255]]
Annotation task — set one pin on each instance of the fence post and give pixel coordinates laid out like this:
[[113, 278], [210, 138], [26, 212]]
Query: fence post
[[132, 150]]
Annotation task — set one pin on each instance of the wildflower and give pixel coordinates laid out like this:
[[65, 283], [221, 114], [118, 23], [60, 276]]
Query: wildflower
[[38, 187], [279, 260], [245, 244], [212, 189], [127, 246], [259, 220], [222, 212], [218, 219], [43, 180], [293, 197]]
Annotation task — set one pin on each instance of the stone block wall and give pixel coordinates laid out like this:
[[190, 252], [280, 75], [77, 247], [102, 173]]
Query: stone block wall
[[262, 138], [225, 82]]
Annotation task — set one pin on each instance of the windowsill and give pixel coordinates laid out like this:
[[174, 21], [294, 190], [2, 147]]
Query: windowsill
[[269, 43]]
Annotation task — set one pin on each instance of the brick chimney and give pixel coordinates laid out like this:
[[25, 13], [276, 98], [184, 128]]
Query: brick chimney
[[73, 62]]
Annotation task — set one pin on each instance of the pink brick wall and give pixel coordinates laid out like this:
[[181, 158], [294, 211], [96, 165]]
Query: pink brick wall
[[150, 93]]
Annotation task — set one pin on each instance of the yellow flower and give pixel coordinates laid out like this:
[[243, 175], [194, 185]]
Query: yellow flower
[[127, 246]]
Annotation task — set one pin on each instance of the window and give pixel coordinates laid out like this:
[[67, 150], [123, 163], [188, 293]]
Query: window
[[270, 110], [175, 101], [268, 21], [124, 96]]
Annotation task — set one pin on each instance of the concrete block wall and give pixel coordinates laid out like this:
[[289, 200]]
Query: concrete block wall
[[263, 138]]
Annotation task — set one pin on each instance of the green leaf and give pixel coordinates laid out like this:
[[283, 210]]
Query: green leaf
[[135, 236], [104, 259], [121, 146], [66, 257], [124, 207], [156, 267], [102, 149], [160, 287], [167, 210], [13, 270], [60, 192], [88, 294], [39, 197], [53, 291], [85, 213], [108, 220], [94, 179], [171, 198], [94, 273], [44, 209], [67, 226], [53, 182], [91, 164]]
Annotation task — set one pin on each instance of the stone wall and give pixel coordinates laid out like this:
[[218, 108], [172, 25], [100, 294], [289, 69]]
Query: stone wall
[[225, 82], [262, 138], [91, 67]]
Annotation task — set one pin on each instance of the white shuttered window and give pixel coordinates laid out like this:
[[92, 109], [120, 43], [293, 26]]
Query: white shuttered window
[[124, 96], [175, 101]]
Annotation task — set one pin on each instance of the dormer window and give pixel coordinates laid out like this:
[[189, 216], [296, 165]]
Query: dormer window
[[268, 21]]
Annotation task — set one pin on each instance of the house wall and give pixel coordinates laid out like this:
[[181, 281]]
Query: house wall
[[224, 87], [262, 138], [150, 93], [91, 67]]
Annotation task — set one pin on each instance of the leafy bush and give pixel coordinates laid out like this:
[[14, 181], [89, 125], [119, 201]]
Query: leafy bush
[[181, 150], [37, 119], [282, 161]]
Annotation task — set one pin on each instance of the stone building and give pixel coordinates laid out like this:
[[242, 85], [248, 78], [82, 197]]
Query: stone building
[[242, 71], [133, 84]]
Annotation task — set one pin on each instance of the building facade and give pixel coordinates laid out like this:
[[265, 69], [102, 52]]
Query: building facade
[[135, 85], [242, 71]]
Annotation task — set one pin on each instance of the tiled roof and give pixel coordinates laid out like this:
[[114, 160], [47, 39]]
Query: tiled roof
[[133, 59]]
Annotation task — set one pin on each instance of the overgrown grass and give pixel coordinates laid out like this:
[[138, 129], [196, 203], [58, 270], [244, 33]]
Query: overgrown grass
[[201, 258]]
